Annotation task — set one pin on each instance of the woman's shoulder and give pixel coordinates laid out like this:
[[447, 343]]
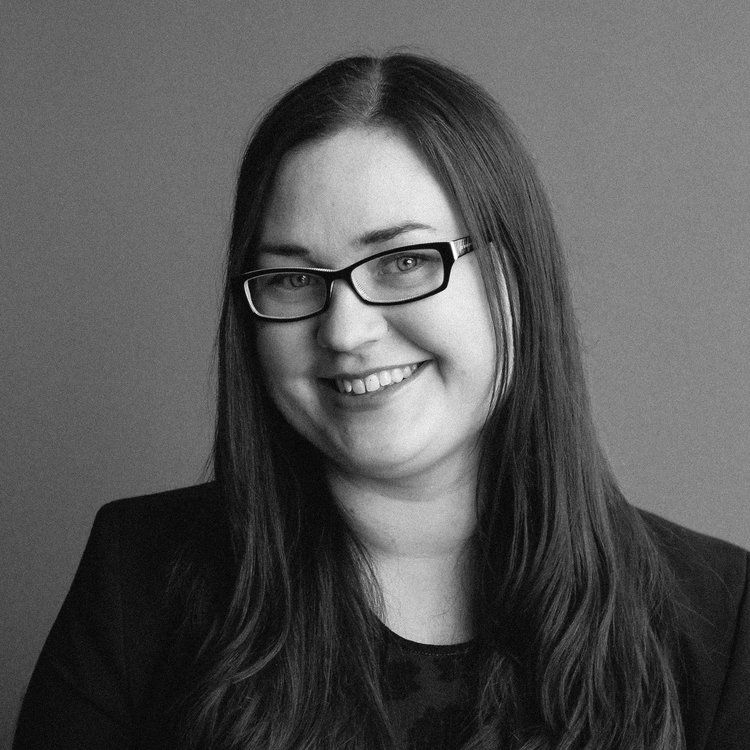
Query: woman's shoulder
[[711, 574], [160, 522], [112, 646], [711, 566], [139, 544], [148, 532], [180, 506], [712, 593]]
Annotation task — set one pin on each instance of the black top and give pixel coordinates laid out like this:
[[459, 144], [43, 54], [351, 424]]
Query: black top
[[429, 693], [105, 660]]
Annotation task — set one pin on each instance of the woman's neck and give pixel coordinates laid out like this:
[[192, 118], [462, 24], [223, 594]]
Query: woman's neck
[[417, 517], [418, 536]]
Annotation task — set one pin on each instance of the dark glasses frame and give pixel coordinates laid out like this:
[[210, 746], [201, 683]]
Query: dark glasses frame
[[449, 251]]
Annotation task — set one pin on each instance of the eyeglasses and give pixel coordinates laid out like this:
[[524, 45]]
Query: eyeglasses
[[393, 277]]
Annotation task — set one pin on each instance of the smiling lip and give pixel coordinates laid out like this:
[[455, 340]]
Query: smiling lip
[[372, 381]]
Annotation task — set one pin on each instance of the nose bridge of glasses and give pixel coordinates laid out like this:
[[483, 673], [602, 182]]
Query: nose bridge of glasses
[[340, 289], [348, 322], [343, 275]]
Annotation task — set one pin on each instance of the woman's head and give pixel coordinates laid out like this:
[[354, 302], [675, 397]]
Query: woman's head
[[471, 151], [391, 391]]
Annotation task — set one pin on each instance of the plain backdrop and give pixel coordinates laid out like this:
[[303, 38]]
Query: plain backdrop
[[121, 128]]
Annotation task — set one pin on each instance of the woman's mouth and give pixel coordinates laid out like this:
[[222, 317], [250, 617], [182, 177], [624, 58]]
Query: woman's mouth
[[374, 381]]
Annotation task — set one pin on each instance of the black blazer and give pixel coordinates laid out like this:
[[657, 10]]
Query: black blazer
[[107, 657]]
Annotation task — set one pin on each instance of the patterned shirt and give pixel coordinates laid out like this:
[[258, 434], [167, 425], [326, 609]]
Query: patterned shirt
[[429, 692]]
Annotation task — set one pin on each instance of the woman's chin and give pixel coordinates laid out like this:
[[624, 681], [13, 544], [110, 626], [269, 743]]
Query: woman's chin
[[386, 461]]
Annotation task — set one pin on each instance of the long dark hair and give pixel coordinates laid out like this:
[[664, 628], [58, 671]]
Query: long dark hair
[[573, 608]]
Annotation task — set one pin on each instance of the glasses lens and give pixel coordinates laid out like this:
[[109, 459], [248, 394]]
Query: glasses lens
[[286, 294], [400, 275]]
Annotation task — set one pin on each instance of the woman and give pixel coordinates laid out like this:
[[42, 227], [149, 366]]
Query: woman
[[413, 538]]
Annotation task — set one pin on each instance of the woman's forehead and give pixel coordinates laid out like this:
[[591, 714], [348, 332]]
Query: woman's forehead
[[357, 181]]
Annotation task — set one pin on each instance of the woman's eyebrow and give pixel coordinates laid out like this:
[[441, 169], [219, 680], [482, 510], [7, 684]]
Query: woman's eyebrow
[[373, 237], [285, 249], [390, 233]]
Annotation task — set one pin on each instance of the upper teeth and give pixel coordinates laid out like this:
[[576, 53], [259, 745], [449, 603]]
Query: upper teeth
[[375, 380]]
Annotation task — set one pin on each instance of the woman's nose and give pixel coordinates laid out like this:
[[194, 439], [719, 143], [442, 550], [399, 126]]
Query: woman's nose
[[349, 323]]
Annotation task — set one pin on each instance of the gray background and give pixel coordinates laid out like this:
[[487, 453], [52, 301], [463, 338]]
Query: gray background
[[121, 127]]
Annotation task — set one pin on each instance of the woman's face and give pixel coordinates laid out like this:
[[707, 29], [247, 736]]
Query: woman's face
[[335, 201]]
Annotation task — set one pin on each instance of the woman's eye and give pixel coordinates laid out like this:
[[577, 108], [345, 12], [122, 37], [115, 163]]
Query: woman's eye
[[292, 280], [401, 263]]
